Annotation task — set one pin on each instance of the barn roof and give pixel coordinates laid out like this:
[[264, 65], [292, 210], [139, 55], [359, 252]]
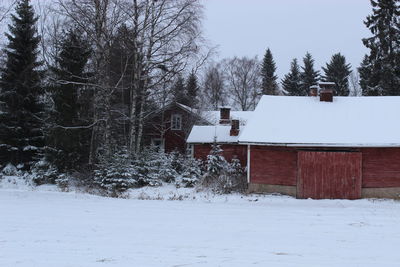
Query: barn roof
[[305, 121]]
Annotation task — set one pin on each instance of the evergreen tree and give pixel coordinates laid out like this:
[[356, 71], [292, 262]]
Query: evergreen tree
[[192, 89], [66, 138], [179, 91], [368, 78], [309, 76], [291, 83], [21, 124], [338, 71], [269, 84], [384, 45]]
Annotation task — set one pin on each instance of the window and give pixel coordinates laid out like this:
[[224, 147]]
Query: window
[[176, 122]]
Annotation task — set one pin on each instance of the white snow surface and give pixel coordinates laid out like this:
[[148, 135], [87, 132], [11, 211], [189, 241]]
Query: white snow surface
[[46, 229], [207, 134], [345, 122]]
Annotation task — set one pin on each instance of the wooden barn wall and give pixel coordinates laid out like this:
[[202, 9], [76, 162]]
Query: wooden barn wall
[[273, 165], [381, 167], [278, 165], [329, 175], [229, 152]]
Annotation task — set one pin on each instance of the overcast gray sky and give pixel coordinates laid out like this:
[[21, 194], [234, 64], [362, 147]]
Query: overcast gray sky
[[289, 28]]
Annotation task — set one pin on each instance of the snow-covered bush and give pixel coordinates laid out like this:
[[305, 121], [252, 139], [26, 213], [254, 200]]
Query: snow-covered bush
[[222, 176], [63, 181], [154, 167], [42, 172], [9, 170], [116, 174], [189, 171], [149, 168]]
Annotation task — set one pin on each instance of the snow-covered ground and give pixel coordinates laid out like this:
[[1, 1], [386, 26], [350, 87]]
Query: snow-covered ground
[[44, 227]]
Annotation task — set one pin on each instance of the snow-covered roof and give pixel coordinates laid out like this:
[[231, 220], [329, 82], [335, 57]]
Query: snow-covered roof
[[209, 133], [213, 116], [305, 121]]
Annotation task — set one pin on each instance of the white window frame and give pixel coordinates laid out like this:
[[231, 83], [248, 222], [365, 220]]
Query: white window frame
[[176, 122]]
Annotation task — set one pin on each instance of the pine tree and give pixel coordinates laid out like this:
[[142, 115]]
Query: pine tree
[[338, 71], [291, 83], [269, 84], [384, 45], [179, 91], [192, 89], [309, 76], [21, 123], [66, 138]]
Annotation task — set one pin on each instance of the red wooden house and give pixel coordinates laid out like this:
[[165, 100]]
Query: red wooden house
[[169, 127]]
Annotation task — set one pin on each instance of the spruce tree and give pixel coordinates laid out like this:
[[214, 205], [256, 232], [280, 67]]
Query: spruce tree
[[269, 84], [309, 76], [179, 91], [291, 83], [384, 45], [368, 78], [66, 137], [192, 89], [338, 71], [21, 123]]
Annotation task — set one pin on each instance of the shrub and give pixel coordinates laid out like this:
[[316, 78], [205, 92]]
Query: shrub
[[222, 176], [42, 172], [151, 167], [116, 174]]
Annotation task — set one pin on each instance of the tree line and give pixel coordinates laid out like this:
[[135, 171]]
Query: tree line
[[80, 79], [80, 85]]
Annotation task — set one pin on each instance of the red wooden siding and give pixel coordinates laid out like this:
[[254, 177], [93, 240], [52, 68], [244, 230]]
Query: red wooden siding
[[273, 165], [173, 139], [329, 175], [381, 167], [230, 152]]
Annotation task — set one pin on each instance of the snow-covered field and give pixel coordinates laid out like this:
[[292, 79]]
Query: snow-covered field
[[43, 227]]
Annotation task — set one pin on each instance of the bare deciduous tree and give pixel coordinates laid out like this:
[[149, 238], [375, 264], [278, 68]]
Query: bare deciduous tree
[[243, 79], [214, 86], [164, 38]]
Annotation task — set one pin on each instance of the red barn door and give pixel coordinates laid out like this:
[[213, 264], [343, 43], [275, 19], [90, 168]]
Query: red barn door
[[329, 175]]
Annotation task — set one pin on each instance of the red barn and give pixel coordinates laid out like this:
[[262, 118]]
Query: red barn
[[324, 146]]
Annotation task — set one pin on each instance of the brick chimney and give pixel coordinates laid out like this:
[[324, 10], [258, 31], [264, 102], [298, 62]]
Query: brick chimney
[[225, 115], [327, 85], [313, 90], [327, 91], [234, 128], [326, 95]]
